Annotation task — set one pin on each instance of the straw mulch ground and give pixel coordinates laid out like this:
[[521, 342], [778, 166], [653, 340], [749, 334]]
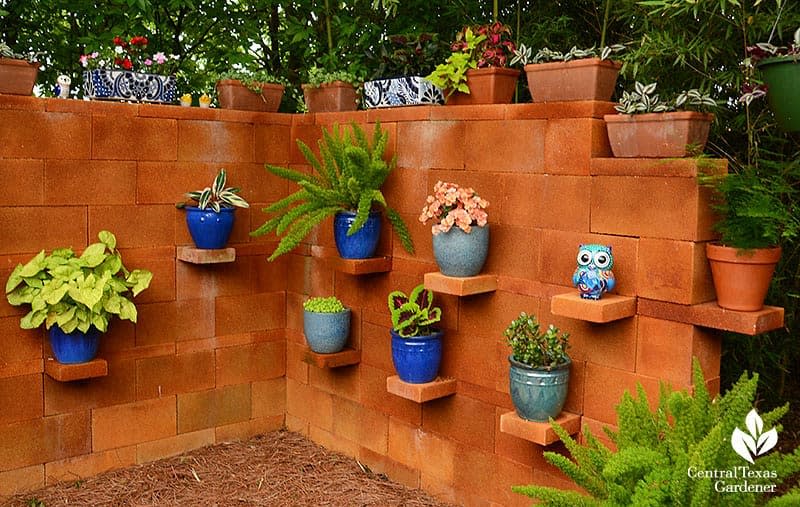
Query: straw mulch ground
[[278, 469]]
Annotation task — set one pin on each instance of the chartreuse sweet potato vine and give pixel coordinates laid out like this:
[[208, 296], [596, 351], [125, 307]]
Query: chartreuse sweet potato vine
[[348, 177], [77, 292]]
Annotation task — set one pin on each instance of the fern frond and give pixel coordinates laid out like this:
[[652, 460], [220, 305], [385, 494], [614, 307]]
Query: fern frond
[[300, 230], [313, 161], [362, 212], [400, 229], [293, 214], [552, 497], [278, 206], [290, 174]]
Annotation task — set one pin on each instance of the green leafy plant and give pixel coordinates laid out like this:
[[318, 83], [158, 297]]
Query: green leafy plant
[[451, 75], [330, 304], [671, 456], [217, 196], [77, 292], [253, 80], [644, 99], [348, 177], [414, 314], [406, 55], [531, 346], [757, 208], [318, 76], [523, 54]]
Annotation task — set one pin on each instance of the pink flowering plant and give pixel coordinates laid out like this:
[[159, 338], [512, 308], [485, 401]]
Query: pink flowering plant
[[130, 54], [452, 205]]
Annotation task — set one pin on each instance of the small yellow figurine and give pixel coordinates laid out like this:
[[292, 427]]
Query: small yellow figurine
[[204, 100], [186, 100]]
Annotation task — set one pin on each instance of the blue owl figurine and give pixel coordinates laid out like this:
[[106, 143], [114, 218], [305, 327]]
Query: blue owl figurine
[[593, 276]]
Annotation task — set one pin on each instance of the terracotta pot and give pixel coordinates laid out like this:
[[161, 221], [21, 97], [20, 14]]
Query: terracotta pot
[[492, 85], [742, 277], [234, 95], [658, 135], [335, 96], [584, 79], [17, 77]]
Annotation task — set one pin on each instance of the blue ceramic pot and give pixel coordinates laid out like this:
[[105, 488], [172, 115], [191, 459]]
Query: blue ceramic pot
[[459, 253], [74, 347], [210, 230], [416, 359], [326, 333], [538, 394], [362, 244]]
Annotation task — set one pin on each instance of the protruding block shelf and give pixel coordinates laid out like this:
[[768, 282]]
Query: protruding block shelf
[[346, 357], [460, 286], [539, 432], [69, 372], [713, 316], [205, 256], [609, 308], [421, 393], [353, 266]]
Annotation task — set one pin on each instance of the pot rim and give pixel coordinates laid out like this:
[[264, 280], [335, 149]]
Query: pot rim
[[773, 60], [522, 365], [658, 117], [237, 82], [455, 227], [332, 84], [581, 62], [436, 333], [722, 253], [353, 213], [209, 210], [493, 70], [18, 61], [346, 310]]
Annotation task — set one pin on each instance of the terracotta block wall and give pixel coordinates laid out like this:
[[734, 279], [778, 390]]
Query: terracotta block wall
[[206, 362], [218, 351]]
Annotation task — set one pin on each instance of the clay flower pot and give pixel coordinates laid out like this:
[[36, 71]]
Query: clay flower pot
[[742, 277], [658, 135], [234, 95], [584, 79], [329, 97], [491, 85], [17, 77]]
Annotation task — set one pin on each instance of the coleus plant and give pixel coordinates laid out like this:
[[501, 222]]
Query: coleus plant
[[414, 314]]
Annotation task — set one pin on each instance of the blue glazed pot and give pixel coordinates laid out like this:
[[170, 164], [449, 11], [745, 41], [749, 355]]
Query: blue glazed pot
[[362, 244], [459, 253], [75, 347], [326, 333], [210, 230], [538, 394], [417, 359]]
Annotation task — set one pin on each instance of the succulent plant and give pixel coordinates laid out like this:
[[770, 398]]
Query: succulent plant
[[533, 347], [413, 315], [330, 304]]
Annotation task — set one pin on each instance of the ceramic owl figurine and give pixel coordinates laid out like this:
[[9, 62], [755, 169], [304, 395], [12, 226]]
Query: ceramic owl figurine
[[61, 89], [593, 276]]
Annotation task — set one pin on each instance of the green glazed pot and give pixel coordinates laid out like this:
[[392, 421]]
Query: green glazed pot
[[782, 75]]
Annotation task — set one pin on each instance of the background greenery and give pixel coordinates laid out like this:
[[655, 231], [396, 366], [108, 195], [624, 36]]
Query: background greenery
[[679, 43]]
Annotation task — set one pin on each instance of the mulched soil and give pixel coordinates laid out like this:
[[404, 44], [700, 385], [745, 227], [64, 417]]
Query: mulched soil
[[281, 468]]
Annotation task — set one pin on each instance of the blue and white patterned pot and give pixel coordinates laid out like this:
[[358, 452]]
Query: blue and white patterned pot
[[458, 253], [128, 85], [401, 91], [538, 394]]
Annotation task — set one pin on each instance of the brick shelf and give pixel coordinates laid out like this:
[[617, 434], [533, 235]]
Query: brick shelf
[[609, 308], [346, 357], [712, 316], [353, 266], [538, 432], [460, 286], [421, 393], [205, 256], [69, 372]]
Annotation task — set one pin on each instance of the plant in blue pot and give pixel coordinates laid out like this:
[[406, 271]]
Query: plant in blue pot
[[344, 183], [326, 324], [416, 345], [211, 221], [75, 297], [460, 231], [539, 371]]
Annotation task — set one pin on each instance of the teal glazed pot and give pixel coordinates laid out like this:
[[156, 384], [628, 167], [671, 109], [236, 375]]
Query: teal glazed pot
[[360, 245], [538, 394], [459, 253], [782, 75], [326, 333]]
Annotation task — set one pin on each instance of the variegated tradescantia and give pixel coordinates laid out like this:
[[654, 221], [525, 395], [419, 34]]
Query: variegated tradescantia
[[77, 292], [217, 196], [413, 315]]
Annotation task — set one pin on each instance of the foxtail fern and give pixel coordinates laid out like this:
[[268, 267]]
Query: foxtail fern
[[656, 451], [347, 176]]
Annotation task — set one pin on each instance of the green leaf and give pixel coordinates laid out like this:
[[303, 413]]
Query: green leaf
[[107, 239], [127, 310], [14, 279], [32, 319], [139, 280], [94, 255], [34, 266]]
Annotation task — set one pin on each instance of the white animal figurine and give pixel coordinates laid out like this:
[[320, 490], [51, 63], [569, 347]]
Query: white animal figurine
[[61, 89]]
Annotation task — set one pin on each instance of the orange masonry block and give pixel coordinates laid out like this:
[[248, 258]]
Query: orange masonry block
[[713, 316], [346, 357], [421, 393], [460, 286], [206, 256], [353, 266], [69, 372], [538, 432], [609, 308]]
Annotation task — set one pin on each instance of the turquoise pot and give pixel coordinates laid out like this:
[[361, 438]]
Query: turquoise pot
[[459, 253], [782, 75], [326, 333], [538, 394]]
